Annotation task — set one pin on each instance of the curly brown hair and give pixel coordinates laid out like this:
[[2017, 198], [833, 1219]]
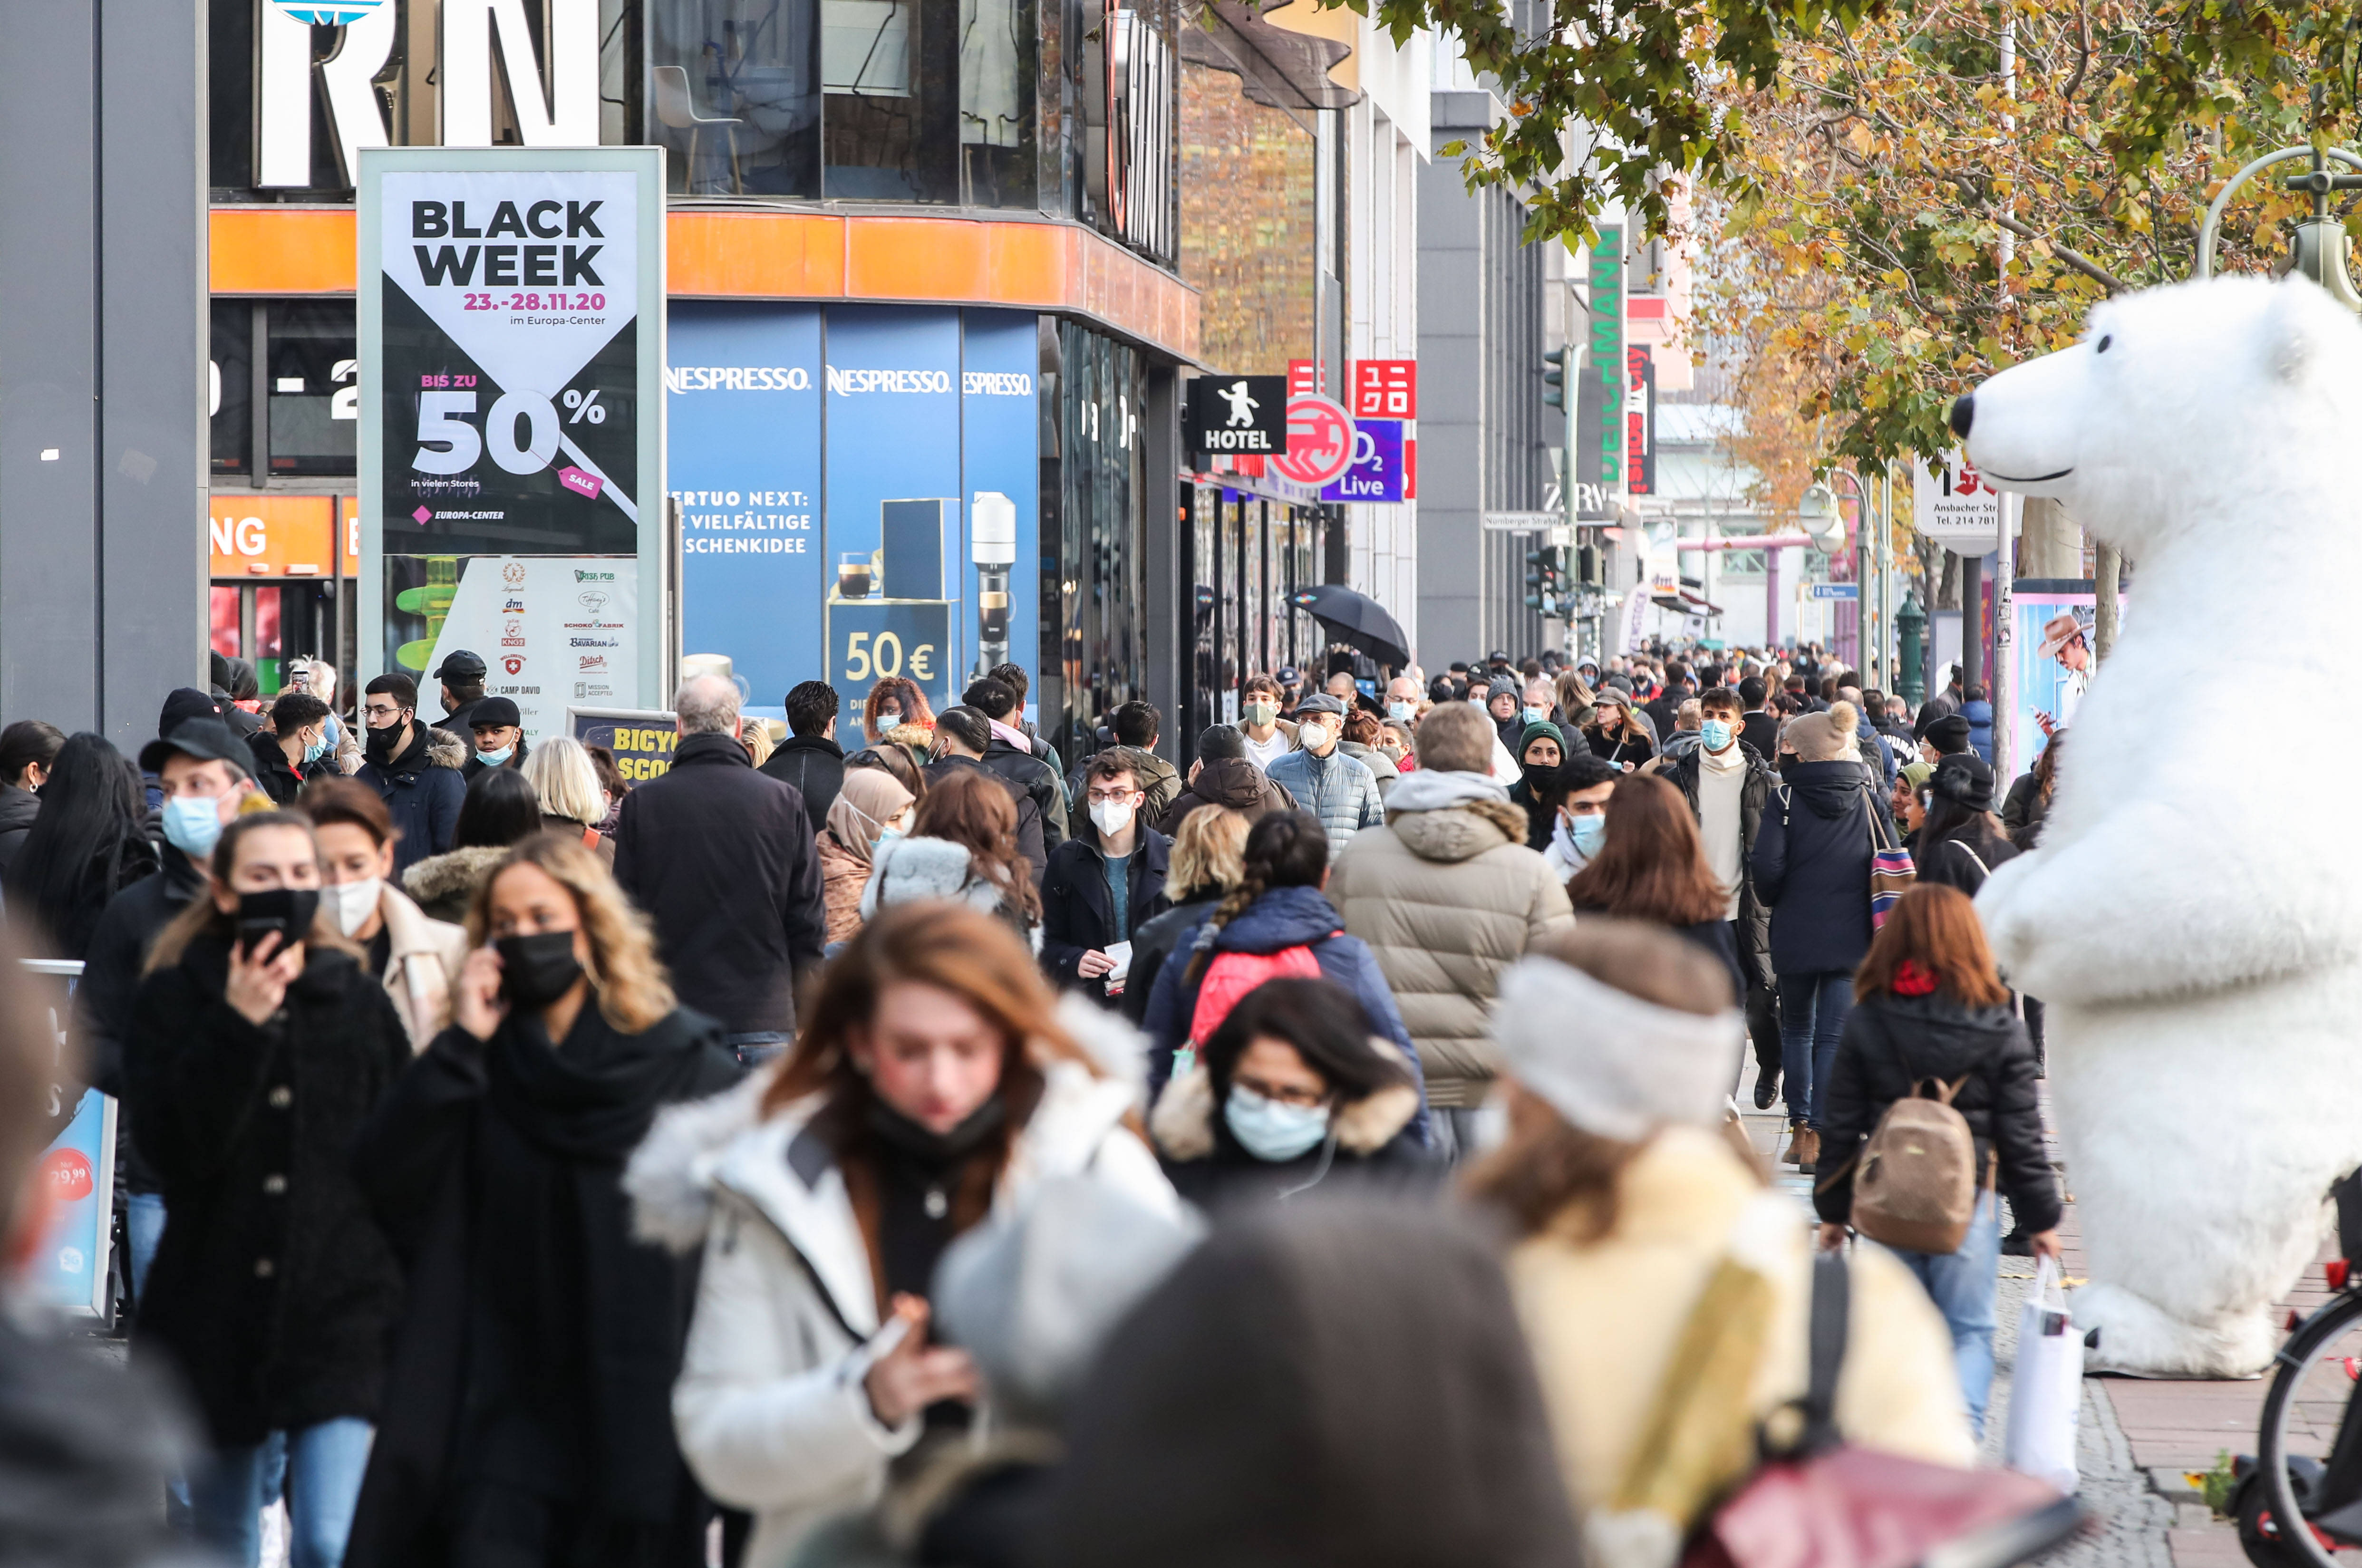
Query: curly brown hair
[[912, 704], [634, 991]]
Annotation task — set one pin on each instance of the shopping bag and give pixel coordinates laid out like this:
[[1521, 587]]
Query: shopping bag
[[2046, 1393]]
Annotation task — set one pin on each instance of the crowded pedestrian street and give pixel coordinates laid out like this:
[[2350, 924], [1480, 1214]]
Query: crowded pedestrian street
[[1328, 784]]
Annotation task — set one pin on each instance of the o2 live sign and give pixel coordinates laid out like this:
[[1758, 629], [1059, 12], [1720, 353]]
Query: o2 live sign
[[511, 419]]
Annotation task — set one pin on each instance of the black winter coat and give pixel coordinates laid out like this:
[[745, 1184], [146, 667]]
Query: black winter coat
[[1034, 777], [1761, 729], [1152, 943], [1962, 860], [2022, 811], [1233, 781], [539, 1341], [1938, 1038], [1029, 809], [722, 860], [273, 1288], [421, 786], [813, 766], [109, 991], [1078, 911], [469, 768], [272, 772], [1754, 933], [17, 810], [1811, 863]]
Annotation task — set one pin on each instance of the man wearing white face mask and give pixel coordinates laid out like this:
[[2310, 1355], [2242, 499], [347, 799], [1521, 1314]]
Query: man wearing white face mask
[[1103, 883], [1338, 789], [416, 958]]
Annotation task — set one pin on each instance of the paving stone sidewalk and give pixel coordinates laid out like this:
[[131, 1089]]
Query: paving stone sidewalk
[[2139, 1439]]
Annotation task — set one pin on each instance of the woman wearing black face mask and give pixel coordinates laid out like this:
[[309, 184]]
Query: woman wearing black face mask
[[1541, 749], [527, 1418], [257, 1048]]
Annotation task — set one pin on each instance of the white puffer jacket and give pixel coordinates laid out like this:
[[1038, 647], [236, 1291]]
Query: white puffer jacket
[[770, 1409]]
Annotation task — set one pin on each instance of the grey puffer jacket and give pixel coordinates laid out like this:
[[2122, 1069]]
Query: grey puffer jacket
[[1447, 896], [1338, 790]]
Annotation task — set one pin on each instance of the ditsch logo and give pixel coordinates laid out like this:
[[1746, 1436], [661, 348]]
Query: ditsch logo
[[736, 378], [514, 663], [591, 661], [67, 1172], [513, 574]]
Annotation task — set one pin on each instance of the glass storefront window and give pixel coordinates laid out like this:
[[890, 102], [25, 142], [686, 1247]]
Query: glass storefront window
[[889, 70], [998, 159], [734, 92], [1101, 641], [231, 387], [314, 388]]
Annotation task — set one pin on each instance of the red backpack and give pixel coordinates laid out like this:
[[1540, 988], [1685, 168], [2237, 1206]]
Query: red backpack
[[1232, 975]]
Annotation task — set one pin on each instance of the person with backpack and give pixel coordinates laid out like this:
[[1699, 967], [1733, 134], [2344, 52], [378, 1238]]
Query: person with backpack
[[1932, 1023], [1960, 841], [1278, 922], [1642, 1245]]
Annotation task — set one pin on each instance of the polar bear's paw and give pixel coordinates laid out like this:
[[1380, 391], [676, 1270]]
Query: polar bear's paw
[[2139, 1338]]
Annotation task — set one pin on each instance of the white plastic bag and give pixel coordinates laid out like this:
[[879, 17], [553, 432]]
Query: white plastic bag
[[2046, 1396]]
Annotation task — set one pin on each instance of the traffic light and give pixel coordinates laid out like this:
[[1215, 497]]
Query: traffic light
[[1537, 580], [1586, 567], [1554, 378]]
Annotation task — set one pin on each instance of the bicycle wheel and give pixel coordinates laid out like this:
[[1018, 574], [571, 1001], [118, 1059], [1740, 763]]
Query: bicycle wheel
[[2311, 1398]]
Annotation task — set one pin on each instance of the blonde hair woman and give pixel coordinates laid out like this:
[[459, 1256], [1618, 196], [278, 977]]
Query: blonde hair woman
[[932, 1085], [495, 1166], [566, 783], [1207, 865], [1663, 1287]]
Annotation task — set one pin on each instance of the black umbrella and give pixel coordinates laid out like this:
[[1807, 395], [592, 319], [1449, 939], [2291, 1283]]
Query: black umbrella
[[1356, 619]]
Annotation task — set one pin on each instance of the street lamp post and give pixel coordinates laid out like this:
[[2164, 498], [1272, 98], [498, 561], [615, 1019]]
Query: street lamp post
[[1910, 623]]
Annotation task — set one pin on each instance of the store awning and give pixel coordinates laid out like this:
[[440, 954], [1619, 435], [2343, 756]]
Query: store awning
[[1279, 69]]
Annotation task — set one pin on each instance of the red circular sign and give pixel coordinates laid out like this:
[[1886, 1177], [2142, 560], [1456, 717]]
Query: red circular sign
[[67, 1175], [1319, 440]]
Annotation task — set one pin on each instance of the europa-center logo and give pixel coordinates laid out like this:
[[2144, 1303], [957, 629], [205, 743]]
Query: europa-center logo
[[327, 13]]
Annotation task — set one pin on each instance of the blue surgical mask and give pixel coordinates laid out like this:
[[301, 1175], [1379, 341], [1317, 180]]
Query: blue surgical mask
[[1401, 712], [1587, 833], [192, 825], [1537, 715], [494, 758], [1271, 1131], [1715, 733], [316, 751]]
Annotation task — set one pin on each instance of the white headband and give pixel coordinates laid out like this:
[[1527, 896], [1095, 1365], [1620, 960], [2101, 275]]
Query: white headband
[[1610, 1063]]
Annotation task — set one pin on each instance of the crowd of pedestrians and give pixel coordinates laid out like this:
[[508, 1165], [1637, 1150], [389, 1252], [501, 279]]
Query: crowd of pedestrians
[[887, 1145]]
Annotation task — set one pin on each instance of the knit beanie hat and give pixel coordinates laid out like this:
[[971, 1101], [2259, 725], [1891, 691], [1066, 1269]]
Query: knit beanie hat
[[1824, 737], [1612, 1063], [1916, 774]]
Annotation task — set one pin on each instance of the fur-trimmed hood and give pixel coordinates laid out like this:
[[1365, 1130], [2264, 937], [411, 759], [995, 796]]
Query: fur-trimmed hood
[[673, 1174], [445, 749], [455, 873], [903, 869], [1183, 1124]]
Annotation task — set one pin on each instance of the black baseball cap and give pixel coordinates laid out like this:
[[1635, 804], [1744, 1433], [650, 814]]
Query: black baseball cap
[[208, 740], [492, 711], [461, 665]]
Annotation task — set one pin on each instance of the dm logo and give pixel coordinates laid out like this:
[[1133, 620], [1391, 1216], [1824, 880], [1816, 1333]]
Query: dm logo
[[327, 13]]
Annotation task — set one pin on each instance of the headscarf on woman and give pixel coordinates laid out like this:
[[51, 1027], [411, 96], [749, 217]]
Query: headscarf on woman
[[870, 799]]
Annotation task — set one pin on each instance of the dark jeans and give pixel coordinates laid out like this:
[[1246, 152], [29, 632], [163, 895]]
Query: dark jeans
[[1813, 1009]]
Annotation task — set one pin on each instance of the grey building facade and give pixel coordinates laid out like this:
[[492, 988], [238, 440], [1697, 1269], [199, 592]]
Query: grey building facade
[[1480, 327]]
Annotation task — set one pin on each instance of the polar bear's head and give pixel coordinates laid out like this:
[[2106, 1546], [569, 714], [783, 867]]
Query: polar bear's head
[[2172, 405]]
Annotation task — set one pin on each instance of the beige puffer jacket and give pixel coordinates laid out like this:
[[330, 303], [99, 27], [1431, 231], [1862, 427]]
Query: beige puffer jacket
[[1448, 899]]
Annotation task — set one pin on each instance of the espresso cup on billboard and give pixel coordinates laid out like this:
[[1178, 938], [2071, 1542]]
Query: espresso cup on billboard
[[992, 616], [853, 576]]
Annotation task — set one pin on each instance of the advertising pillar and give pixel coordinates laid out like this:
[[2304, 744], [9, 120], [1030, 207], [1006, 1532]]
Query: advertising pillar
[[512, 421]]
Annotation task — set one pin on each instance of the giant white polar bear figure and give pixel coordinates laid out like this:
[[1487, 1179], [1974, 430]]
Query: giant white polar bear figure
[[2193, 917]]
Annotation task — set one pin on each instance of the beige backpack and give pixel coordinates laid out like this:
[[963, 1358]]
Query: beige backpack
[[1915, 1185]]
